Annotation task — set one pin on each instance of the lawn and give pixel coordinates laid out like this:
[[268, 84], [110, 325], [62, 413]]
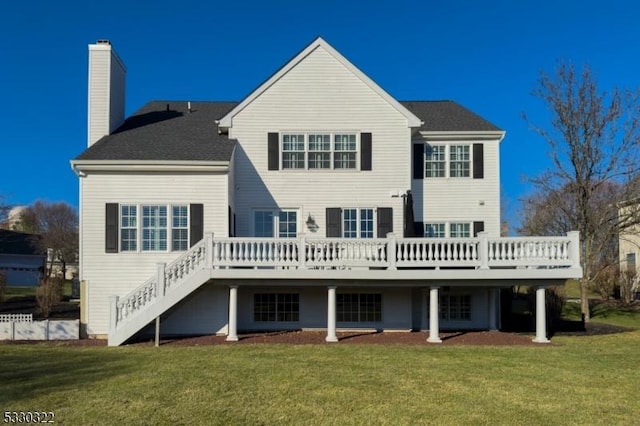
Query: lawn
[[575, 380]]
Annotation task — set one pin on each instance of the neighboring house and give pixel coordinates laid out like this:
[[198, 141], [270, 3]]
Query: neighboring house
[[629, 248], [21, 260], [317, 202]]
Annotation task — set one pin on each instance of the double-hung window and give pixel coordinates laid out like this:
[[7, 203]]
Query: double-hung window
[[435, 161], [128, 227], [293, 151], [459, 161], [319, 151], [345, 151], [179, 228], [434, 230], [357, 223], [154, 228]]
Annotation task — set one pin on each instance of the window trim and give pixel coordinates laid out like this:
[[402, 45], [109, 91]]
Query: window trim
[[448, 159], [358, 221]]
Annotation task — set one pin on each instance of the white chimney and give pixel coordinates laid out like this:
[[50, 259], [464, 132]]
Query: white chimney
[[106, 91]]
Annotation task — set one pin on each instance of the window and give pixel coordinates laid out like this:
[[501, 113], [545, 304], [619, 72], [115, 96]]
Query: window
[[276, 307], [459, 230], [316, 151], [320, 151], [128, 228], [631, 263], [345, 151], [460, 161], [357, 223], [283, 223], [359, 307], [292, 151], [154, 228], [435, 161], [179, 228], [287, 224], [434, 230], [455, 307]]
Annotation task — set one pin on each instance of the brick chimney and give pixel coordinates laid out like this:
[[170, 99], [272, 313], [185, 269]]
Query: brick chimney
[[106, 91]]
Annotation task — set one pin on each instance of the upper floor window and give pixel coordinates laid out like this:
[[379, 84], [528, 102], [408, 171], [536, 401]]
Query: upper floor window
[[180, 228], [434, 230], [459, 230], [456, 230], [441, 160], [319, 151], [435, 161], [459, 161]]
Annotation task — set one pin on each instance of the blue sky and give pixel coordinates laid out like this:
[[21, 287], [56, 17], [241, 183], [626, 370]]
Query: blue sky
[[486, 55]]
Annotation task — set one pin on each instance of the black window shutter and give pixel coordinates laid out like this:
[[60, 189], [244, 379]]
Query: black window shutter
[[385, 221], [196, 223], [274, 151], [365, 151], [418, 161], [477, 228], [230, 219], [418, 229], [334, 225], [478, 161], [111, 228]]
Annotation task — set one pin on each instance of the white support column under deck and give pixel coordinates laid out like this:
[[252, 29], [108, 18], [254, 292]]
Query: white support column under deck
[[331, 314], [434, 326], [232, 333], [541, 317]]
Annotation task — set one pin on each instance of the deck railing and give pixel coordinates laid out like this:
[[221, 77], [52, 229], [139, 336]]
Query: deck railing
[[389, 253]]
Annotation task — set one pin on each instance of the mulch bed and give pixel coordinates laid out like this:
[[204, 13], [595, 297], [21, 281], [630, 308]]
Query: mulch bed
[[476, 338]]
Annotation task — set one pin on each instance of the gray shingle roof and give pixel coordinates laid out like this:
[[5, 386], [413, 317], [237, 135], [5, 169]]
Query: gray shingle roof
[[447, 116], [166, 130], [157, 132]]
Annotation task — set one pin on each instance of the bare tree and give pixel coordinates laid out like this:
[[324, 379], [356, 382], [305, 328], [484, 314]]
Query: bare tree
[[57, 225], [594, 140]]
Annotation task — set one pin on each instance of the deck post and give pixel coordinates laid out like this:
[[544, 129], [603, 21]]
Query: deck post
[[157, 331], [232, 333], [574, 248], [541, 317], [434, 326], [208, 249], [114, 313], [483, 250], [391, 251], [331, 314], [161, 290], [302, 251]]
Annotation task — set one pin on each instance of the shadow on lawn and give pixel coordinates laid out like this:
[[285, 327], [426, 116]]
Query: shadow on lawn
[[29, 370]]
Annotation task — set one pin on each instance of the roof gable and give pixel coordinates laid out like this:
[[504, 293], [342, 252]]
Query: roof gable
[[227, 120]]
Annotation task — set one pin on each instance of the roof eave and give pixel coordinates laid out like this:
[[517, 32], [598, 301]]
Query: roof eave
[[466, 134], [81, 167]]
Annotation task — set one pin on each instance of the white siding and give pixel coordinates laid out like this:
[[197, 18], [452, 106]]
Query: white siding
[[110, 274], [320, 94], [205, 311], [462, 199]]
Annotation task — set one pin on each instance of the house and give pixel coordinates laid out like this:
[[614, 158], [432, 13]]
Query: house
[[21, 261], [629, 252], [317, 202]]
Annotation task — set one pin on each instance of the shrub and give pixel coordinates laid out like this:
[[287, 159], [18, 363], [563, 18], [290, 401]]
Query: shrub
[[3, 285], [48, 293], [607, 281]]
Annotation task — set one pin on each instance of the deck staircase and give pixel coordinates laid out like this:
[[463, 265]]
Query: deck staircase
[[172, 283]]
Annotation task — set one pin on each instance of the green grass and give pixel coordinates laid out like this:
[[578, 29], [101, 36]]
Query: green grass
[[576, 380], [606, 313], [13, 292]]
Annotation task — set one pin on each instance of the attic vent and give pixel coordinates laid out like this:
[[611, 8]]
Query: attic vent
[[103, 41]]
